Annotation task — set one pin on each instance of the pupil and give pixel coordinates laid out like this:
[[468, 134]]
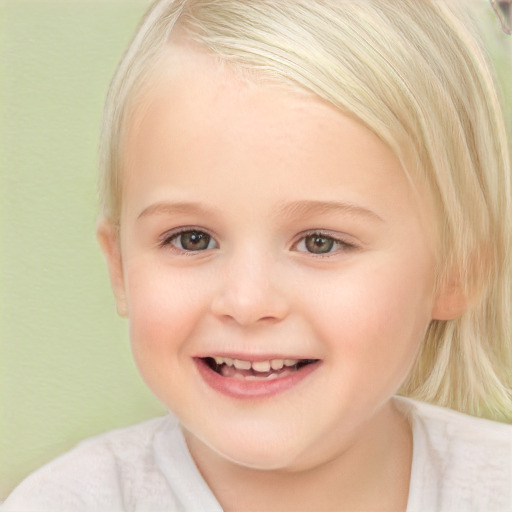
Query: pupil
[[195, 241], [319, 244]]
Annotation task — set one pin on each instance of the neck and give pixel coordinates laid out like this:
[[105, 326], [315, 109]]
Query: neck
[[370, 473]]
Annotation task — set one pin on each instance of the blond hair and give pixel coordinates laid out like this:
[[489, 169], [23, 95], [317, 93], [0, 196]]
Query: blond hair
[[415, 73]]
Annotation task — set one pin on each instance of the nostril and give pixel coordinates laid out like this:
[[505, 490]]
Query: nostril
[[249, 299]]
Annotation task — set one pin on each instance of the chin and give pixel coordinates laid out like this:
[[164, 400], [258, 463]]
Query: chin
[[260, 459], [255, 451]]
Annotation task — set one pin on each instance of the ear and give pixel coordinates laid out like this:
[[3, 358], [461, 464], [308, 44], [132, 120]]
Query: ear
[[451, 300], [108, 238]]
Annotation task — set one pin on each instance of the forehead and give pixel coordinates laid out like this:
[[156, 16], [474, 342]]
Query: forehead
[[190, 81], [202, 123]]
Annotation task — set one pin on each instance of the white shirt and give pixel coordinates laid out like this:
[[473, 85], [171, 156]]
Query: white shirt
[[460, 464]]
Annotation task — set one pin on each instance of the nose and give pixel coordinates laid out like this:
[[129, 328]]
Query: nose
[[250, 291]]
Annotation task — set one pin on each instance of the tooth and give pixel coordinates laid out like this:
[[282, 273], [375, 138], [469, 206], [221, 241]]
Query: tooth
[[276, 364], [272, 376], [228, 361], [242, 365], [219, 360], [261, 366], [290, 362]]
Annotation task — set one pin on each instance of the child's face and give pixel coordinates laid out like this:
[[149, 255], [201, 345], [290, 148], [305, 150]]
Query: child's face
[[260, 224]]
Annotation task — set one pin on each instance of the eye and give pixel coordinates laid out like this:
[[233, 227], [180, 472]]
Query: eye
[[319, 243], [190, 240]]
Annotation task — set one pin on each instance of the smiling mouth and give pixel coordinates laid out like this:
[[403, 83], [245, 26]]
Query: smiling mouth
[[256, 370]]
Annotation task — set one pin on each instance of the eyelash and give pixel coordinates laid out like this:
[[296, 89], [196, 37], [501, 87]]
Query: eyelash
[[339, 244], [168, 238]]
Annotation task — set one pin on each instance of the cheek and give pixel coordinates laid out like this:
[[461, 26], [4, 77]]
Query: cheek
[[164, 308], [375, 319]]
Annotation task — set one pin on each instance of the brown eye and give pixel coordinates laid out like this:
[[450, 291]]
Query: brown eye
[[322, 244], [192, 241], [319, 244]]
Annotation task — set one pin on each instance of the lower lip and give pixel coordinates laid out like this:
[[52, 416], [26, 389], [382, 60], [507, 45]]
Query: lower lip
[[246, 389]]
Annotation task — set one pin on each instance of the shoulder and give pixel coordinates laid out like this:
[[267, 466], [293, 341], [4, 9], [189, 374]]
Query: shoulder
[[107, 472], [447, 424], [464, 436], [460, 462]]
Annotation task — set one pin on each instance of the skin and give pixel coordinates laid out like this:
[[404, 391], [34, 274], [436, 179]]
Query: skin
[[259, 168]]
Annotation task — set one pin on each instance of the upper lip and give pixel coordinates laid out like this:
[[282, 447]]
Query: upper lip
[[255, 357]]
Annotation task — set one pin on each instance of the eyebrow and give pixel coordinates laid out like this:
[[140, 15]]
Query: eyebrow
[[308, 207], [171, 208], [297, 208]]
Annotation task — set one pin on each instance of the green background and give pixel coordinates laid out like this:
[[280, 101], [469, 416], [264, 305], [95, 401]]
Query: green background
[[66, 371], [65, 367]]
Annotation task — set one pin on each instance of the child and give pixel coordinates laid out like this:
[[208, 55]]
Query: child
[[306, 209]]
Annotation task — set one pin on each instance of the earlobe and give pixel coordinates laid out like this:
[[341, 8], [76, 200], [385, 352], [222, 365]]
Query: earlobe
[[108, 239], [451, 301]]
